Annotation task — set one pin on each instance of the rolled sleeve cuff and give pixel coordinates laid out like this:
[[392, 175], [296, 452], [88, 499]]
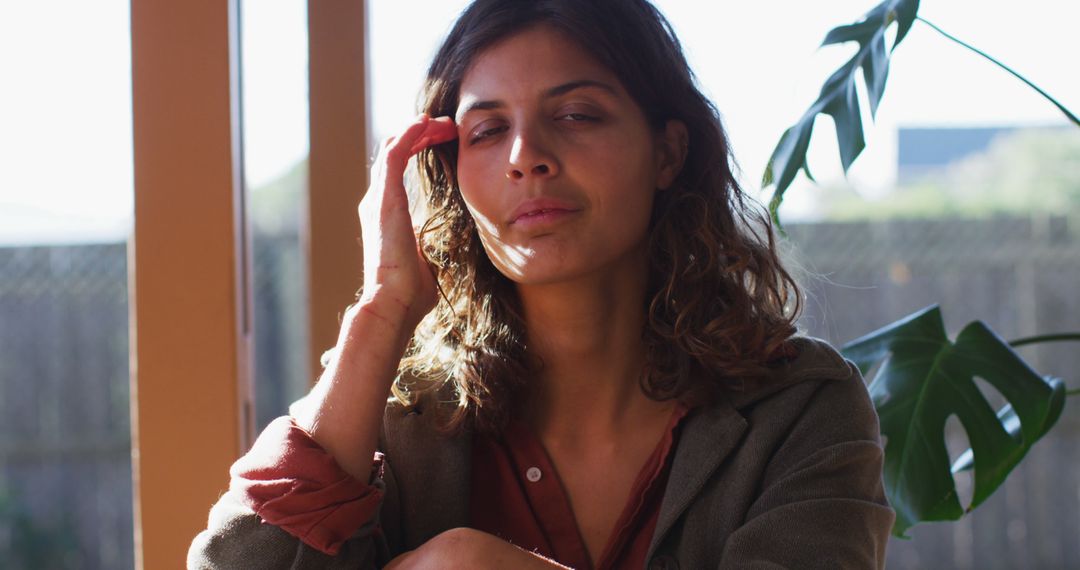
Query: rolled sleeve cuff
[[291, 482]]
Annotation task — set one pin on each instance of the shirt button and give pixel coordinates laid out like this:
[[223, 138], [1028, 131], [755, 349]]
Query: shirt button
[[533, 474]]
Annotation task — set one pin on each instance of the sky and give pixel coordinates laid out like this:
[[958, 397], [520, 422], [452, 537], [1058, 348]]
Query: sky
[[65, 90]]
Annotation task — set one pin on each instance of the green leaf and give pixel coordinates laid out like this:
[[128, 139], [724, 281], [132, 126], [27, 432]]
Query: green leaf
[[839, 98], [924, 378]]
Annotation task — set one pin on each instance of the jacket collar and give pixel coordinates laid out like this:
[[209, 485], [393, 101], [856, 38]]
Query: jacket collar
[[710, 433], [814, 360]]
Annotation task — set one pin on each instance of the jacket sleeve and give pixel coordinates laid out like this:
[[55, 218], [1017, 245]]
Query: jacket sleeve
[[290, 505], [822, 503]]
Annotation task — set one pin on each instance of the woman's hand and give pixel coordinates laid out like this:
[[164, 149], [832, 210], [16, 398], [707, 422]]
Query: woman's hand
[[469, 548], [396, 276], [344, 411]]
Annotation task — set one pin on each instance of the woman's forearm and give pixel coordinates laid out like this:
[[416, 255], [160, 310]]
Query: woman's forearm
[[344, 410]]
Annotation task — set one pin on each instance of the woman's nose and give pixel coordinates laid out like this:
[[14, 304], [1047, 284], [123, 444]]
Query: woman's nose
[[530, 157]]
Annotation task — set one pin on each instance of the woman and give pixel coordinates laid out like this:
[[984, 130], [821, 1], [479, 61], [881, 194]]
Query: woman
[[590, 343]]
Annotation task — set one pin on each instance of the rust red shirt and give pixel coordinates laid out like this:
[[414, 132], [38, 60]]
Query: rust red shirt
[[524, 501], [291, 482]]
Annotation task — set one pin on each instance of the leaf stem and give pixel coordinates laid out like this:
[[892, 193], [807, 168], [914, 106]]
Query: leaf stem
[[1060, 337], [1061, 107]]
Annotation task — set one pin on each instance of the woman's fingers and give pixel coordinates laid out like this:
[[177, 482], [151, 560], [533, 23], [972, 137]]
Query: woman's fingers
[[437, 131], [424, 132], [441, 129], [389, 167], [398, 149], [393, 264]]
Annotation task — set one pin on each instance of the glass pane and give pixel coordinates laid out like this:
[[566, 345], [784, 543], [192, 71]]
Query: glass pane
[[274, 75], [399, 61], [65, 213]]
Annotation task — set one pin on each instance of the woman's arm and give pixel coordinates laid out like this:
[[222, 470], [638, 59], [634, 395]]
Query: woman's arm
[[344, 410], [308, 474]]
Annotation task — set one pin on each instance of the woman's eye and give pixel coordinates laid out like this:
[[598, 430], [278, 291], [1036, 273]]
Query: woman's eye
[[485, 132], [575, 117]]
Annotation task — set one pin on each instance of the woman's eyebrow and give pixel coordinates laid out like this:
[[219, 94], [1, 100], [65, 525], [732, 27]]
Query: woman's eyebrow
[[580, 84], [476, 106], [553, 92]]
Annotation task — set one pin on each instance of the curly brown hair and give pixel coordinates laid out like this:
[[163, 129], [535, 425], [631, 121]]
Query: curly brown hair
[[721, 306]]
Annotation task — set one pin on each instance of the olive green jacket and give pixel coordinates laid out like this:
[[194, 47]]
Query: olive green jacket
[[785, 475]]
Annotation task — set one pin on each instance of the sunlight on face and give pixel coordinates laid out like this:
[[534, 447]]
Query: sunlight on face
[[556, 162], [508, 257]]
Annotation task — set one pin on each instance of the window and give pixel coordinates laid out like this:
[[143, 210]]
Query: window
[[65, 214]]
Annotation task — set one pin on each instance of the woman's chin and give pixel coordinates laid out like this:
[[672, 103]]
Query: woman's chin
[[529, 275], [556, 261], [544, 273]]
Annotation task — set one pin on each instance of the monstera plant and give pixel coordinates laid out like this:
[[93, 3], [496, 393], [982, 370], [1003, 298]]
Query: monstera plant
[[922, 378], [919, 377]]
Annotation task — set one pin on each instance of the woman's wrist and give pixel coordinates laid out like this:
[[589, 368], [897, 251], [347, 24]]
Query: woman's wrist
[[382, 314], [397, 309]]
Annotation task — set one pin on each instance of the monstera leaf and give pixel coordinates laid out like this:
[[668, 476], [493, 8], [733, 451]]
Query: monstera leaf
[[838, 97], [922, 379]]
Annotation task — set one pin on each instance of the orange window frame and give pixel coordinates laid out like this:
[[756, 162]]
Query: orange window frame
[[189, 262]]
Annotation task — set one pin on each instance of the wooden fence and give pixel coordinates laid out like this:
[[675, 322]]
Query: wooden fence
[[1021, 277], [65, 459]]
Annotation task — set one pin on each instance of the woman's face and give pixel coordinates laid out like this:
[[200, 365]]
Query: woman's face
[[556, 163]]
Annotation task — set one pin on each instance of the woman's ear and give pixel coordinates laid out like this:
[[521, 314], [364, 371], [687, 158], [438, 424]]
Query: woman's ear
[[671, 146]]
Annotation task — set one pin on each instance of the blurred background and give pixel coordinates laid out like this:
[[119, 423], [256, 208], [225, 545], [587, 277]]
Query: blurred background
[[968, 195]]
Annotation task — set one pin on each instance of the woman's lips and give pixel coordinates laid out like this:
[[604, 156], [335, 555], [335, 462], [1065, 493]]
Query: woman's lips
[[542, 211], [541, 217]]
